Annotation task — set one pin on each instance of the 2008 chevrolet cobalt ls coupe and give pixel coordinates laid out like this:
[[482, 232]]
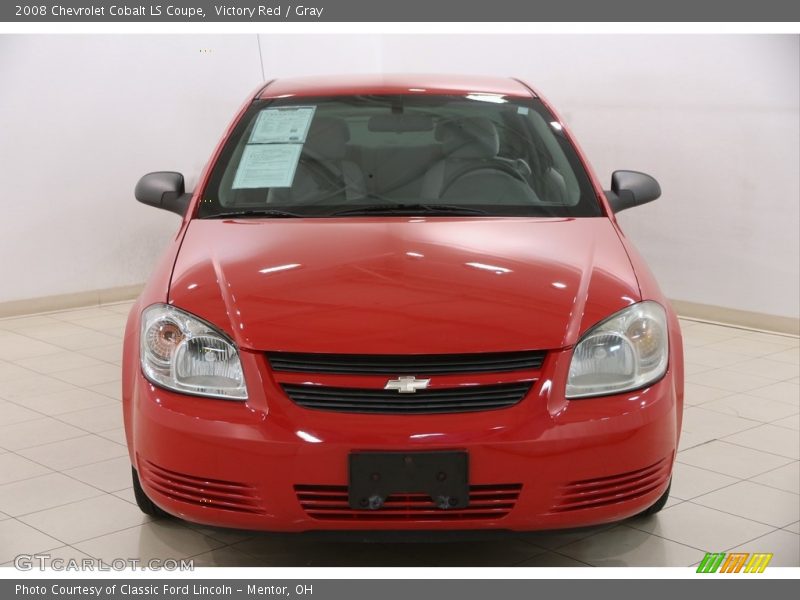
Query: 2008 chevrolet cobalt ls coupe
[[401, 302]]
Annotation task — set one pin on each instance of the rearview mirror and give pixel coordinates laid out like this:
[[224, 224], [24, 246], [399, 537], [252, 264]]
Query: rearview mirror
[[631, 188], [163, 189], [400, 123]]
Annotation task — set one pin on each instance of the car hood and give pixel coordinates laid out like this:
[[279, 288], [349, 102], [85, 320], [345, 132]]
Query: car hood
[[408, 285]]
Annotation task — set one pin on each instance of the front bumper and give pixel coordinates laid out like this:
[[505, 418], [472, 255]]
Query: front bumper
[[269, 464]]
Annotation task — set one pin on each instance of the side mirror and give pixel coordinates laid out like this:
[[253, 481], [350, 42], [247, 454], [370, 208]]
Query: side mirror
[[631, 188], [163, 189]]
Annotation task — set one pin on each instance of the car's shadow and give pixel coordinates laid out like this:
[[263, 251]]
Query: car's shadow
[[392, 549]]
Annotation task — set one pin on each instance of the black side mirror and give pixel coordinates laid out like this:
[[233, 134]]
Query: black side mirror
[[631, 188], [163, 189]]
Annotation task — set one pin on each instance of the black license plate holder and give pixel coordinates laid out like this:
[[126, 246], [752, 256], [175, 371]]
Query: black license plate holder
[[442, 475]]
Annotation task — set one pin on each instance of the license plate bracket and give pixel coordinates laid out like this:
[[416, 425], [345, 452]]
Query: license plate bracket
[[442, 475]]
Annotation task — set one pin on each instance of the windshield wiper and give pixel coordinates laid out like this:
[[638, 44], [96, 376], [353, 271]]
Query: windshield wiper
[[255, 213], [402, 209]]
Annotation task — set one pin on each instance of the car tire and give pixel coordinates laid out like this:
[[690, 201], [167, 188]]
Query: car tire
[[658, 505], [144, 503]]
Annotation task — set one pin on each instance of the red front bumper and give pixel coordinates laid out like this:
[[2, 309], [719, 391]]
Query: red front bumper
[[269, 464]]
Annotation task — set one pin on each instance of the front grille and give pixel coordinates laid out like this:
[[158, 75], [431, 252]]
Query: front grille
[[330, 502], [405, 364], [448, 400], [201, 491], [603, 491]]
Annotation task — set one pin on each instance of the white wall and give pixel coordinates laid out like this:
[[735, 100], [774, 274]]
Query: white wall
[[81, 118], [714, 118]]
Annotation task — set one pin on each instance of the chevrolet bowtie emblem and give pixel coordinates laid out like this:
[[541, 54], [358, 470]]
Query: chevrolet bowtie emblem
[[408, 384]]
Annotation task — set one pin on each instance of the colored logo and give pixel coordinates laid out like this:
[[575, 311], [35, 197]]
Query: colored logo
[[735, 562]]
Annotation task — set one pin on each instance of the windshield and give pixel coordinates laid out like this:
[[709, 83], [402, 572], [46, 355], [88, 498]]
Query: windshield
[[478, 154]]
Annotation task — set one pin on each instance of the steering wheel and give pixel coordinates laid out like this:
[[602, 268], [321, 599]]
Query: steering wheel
[[493, 165]]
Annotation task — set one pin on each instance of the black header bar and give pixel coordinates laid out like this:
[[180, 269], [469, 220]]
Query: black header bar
[[309, 11]]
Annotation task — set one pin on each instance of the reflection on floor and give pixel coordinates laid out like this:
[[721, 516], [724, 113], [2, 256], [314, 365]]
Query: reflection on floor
[[65, 479]]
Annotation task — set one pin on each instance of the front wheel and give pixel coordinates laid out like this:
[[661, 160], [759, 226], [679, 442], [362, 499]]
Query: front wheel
[[144, 503]]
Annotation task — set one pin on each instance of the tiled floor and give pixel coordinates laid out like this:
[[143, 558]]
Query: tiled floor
[[65, 482]]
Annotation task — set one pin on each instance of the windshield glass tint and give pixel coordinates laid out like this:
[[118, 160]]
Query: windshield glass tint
[[472, 155]]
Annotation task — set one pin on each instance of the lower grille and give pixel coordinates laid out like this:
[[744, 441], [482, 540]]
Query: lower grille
[[603, 491], [213, 493], [449, 400], [330, 503]]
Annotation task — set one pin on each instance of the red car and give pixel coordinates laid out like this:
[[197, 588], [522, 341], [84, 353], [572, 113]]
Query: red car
[[401, 302]]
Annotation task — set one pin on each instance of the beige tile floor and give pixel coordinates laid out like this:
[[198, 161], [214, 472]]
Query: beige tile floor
[[65, 486]]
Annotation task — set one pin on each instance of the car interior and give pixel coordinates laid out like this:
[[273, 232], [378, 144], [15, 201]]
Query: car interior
[[416, 157]]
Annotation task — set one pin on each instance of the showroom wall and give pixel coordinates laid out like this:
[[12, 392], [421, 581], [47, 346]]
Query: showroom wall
[[82, 117], [715, 118]]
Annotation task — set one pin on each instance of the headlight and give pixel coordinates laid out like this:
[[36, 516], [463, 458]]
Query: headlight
[[629, 350], [182, 353]]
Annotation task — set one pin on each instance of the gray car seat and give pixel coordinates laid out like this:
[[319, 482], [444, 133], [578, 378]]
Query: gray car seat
[[470, 147], [324, 166]]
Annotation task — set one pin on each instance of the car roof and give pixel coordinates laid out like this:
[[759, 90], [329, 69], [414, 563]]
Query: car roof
[[348, 85]]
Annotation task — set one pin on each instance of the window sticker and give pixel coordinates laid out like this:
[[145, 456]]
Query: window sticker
[[282, 125], [267, 165]]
